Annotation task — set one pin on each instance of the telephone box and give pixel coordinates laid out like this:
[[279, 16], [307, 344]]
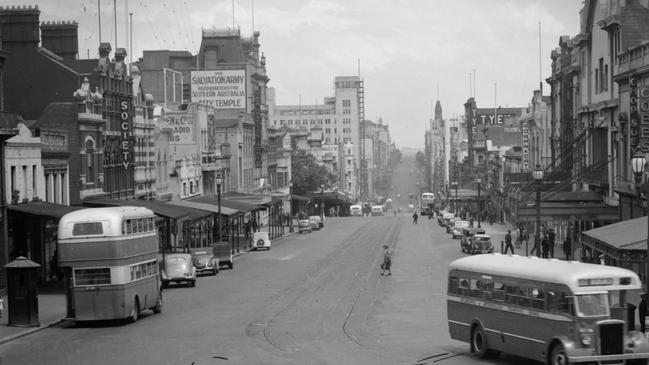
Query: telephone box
[[22, 294]]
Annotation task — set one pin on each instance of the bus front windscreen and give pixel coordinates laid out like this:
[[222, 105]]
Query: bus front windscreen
[[592, 305]]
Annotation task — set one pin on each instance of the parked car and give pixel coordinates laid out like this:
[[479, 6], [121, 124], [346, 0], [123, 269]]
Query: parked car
[[260, 240], [178, 268], [303, 225], [223, 252], [467, 233], [458, 227], [481, 243], [204, 261], [314, 222], [450, 223]]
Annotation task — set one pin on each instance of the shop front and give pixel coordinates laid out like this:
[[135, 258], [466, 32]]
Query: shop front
[[32, 233]]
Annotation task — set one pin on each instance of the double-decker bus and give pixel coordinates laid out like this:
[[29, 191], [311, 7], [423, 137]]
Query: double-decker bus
[[558, 312], [427, 201], [110, 260]]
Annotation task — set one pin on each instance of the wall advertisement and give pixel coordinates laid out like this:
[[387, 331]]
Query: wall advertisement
[[221, 89], [182, 128]]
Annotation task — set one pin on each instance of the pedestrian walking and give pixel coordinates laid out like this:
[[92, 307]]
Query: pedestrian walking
[[508, 242], [387, 261], [545, 247], [414, 217], [567, 247], [536, 248], [551, 238], [642, 312]]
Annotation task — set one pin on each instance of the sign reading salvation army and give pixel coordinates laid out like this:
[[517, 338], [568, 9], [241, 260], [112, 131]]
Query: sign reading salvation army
[[222, 89]]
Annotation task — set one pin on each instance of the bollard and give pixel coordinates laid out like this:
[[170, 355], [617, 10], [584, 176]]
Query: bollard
[[502, 246]]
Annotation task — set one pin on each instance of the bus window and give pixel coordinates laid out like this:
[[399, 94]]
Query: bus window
[[537, 298], [95, 276], [140, 227], [151, 224], [559, 302], [453, 285], [498, 292], [592, 305], [87, 228]]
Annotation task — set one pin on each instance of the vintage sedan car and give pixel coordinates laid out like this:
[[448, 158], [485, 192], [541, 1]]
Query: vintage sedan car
[[303, 225], [450, 223], [260, 241], [467, 233], [481, 243], [178, 268], [458, 227], [204, 261], [314, 222]]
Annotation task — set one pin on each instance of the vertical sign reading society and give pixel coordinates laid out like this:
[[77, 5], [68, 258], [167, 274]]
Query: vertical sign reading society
[[126, 133], [526, 147], [634, 127], [222, 89]]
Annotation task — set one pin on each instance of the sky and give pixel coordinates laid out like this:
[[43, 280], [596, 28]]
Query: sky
[[410, 53]]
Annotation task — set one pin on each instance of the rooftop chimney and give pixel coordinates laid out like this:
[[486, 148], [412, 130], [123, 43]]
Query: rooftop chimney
[[19, 24], [62, 38]]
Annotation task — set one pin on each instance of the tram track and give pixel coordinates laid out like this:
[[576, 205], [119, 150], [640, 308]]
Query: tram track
[[287, 307]]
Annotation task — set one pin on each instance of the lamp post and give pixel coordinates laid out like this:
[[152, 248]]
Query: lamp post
[[290, 208], [219, 181], [638, 162], [322, 200], [537, 174], [454, 183], [478, 180]]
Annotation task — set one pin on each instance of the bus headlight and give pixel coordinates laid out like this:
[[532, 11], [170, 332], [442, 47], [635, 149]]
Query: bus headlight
[[586, 337]]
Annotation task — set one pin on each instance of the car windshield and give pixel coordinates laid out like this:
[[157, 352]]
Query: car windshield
[[176, 260], [592, 305]]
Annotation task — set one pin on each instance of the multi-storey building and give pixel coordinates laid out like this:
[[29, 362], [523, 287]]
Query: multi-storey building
[[337, 121], [229, 75]]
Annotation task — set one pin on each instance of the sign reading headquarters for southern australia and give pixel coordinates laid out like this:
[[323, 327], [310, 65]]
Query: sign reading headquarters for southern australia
[[221, 89]]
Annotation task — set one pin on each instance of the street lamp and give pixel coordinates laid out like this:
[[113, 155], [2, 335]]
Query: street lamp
[[638, 162], [290, 208], [537, 175], [454, 183], [478, 180], [219, 181], [322, 200]]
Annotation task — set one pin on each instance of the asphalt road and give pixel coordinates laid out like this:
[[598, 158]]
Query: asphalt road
[[313, 298]]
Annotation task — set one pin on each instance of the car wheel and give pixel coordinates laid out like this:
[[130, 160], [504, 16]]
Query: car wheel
[[192, 283], [231, 265], [215, 271], [135, 312]]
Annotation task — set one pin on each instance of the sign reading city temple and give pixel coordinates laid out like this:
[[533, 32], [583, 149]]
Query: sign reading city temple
[[222, 89]]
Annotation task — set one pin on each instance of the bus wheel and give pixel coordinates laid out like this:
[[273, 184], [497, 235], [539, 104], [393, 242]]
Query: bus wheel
[[158, 306], [479, 342], [637, 362], [559, 356], [135, 312]]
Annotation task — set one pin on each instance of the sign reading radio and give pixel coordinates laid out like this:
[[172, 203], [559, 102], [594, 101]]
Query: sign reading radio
[[126, 132]]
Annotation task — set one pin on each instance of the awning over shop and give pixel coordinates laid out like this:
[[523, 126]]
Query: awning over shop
[[625, 235], [555, 211], [212, 207], [159, 208], [44, 208], [235, 203], [300, 197], [254, 199]]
